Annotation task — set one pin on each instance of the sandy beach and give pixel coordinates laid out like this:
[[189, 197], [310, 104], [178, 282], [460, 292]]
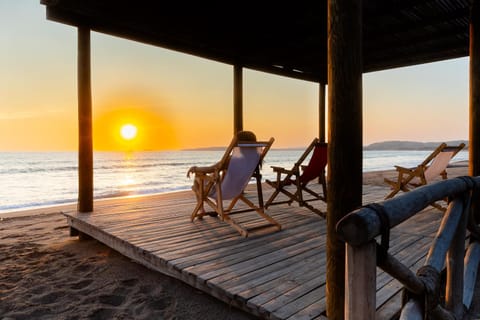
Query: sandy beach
[[46, 274]]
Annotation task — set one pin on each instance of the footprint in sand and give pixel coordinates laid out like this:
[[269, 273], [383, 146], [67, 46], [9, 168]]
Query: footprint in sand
[[148, 307], [81, 284], [112, 300], [129, 282], [102, 313], [35, 255], [48, 298], [159, 303], [39, 289], [62, 227], [46, 274], [64, 255], [126, 287], [82, 268]]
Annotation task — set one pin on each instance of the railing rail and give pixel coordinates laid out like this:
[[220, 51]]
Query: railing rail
[[422, 290]]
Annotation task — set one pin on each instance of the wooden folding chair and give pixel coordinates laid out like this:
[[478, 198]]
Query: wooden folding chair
[[228, 180], [299, 177], [433, 167]]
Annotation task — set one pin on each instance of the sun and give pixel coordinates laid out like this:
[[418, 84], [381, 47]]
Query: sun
[[128, 131]]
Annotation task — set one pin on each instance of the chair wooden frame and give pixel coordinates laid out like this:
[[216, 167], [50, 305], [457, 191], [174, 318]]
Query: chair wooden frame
[[211, 191], [293, 177], [433, 166]]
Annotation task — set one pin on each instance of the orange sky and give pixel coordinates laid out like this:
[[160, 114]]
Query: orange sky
[[180, 101]]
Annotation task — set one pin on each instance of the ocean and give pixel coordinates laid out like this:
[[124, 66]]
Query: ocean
[[36, 179]]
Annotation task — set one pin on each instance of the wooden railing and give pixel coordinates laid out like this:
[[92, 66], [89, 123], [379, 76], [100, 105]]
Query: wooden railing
[[423, 293]]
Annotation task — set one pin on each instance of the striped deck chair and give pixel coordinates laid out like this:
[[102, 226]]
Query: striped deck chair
[[433, 167], [227, 182]]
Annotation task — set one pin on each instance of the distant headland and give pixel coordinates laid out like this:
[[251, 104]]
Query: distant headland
[[378, 146], [206, 149], [412, 145]]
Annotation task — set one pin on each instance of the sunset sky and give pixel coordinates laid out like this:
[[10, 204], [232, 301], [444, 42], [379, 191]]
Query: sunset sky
[[180, 101]]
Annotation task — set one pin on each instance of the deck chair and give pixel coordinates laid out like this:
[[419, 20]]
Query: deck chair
[[227, 182], [433, 167], [294, 182]]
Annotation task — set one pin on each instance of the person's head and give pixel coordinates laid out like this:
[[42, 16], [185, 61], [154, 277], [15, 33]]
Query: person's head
[[246, 136]]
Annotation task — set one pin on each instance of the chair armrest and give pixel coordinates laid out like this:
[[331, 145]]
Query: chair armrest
[[276, 168], [404, 170], [281, 170], [206, 176]]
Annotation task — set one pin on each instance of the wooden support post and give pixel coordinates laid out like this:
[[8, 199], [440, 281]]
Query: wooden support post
[[83, 236], [471, 263], [237, 99], [85, 145], [345, 65], [74, 232], [361, 280], [321, 112], [474, 134], [455, 268], [451, 221]]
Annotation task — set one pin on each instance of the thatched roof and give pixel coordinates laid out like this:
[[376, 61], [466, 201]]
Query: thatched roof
[[287, 39]]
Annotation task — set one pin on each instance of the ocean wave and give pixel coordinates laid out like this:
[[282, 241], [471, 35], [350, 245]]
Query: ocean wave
[[137, 192], [37, 169], [106, 167]]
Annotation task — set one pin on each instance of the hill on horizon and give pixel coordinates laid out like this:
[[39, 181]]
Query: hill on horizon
[[378, 146], [223, 148], [411, 145]]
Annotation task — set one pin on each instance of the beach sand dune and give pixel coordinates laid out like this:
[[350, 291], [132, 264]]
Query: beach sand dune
[[46, 274]]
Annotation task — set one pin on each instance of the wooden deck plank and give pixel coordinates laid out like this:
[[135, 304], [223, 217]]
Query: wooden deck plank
[[194, 231], [209, 253], [268, 281], [292, 297], [275, 275], [243, 266], [237, 267], [263, 294], [312, 303]]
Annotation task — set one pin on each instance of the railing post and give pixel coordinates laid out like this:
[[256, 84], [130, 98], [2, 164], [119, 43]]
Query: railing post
[[472, 261], [360, 282], [455, 268]]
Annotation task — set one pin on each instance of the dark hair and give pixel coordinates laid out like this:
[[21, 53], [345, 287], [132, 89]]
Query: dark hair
[[246, 136]]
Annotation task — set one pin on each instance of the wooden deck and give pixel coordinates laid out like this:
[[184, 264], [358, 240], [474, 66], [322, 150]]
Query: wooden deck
[[273, 275]]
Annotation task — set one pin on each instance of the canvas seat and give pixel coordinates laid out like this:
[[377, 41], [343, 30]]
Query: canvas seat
[[433, 167], [226, 184], [295, 182]]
